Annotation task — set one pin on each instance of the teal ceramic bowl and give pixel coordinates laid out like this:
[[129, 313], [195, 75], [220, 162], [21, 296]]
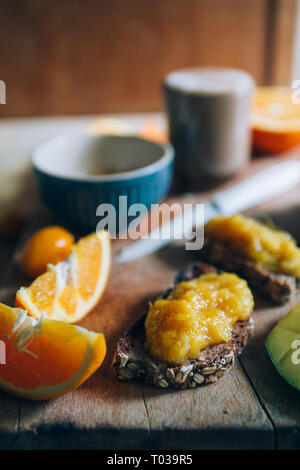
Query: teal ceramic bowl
[[77, 173]]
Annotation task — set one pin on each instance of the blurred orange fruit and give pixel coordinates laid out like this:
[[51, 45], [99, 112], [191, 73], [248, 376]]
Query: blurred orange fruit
[[152, 131], [69, 290], [45, 358], [48, 245], [111, 126], [275, 120]]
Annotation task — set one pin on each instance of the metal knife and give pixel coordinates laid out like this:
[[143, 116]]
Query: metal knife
[[259, 188]]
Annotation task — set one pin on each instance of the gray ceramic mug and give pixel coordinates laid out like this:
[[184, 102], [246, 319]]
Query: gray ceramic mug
[[208, 114]]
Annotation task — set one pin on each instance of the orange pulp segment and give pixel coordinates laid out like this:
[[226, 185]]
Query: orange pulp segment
[[45, 358], [275, 119], [69, 290]]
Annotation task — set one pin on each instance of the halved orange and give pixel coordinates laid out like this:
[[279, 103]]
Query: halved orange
[[69, 290], [275, 119], [42, 359]]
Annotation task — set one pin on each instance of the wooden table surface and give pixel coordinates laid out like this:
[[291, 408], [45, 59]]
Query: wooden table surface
[[250, 408]]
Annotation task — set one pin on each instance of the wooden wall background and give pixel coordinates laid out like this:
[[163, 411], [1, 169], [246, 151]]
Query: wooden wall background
[[92, 56]]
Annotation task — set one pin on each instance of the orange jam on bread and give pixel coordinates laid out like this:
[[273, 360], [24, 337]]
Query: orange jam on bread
[[274, 249], [195, 315]]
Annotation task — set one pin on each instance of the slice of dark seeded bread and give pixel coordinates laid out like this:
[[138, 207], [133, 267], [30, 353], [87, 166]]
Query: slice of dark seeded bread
[[133, 361], [278, 287]]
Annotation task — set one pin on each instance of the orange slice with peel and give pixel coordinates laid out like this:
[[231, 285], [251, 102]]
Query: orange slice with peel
[[69, 290], [43, 359], [275, 119]]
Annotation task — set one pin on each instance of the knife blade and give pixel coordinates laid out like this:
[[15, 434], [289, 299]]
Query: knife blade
[[261, 187]]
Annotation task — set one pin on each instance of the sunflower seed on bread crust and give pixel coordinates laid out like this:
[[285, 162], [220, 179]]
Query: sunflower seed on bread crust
[[210, 365]]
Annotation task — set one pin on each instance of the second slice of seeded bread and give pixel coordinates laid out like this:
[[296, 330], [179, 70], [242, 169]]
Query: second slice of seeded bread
[[133, 361], [278, 287]]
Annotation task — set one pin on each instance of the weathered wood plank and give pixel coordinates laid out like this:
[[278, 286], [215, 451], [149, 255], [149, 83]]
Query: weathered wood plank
[[10, 280], [9, 409], [105, 413], [9, 420], [109, 412], [279, 399], [224, 415], [102, 413]]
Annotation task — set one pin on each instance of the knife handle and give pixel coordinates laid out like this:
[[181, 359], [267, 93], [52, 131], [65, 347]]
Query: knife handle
[[264, 185]]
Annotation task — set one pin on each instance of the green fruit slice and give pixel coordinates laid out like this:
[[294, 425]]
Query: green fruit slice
[[283, 346]]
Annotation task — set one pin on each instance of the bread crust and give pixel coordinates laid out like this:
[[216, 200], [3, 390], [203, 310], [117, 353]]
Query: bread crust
[[278, 287], [133, 361]]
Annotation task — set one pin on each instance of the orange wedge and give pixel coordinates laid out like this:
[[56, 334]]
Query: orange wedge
[[42, 359], [69, 290], [275, 119]]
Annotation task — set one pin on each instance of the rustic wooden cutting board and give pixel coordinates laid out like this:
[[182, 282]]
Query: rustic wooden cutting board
[[250, 408]]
